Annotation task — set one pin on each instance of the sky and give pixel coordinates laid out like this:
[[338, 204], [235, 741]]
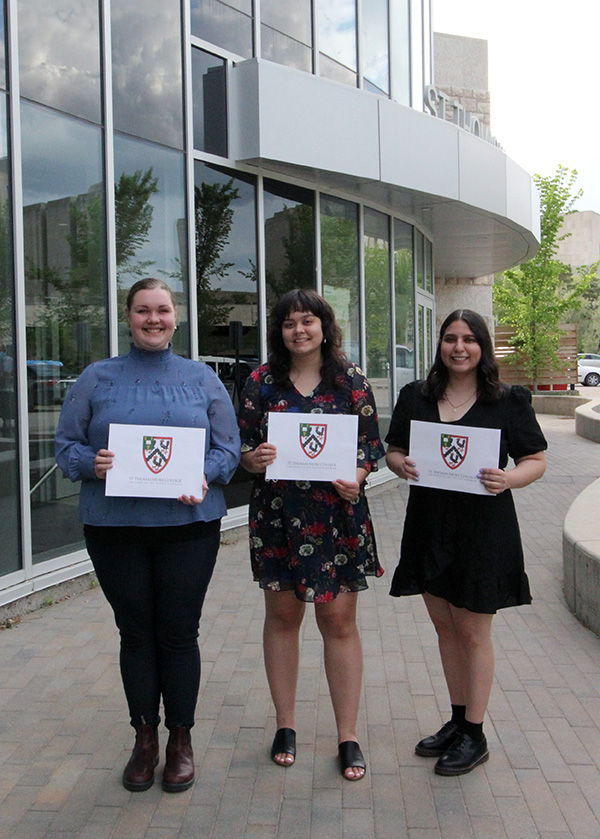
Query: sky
[[544, 75]]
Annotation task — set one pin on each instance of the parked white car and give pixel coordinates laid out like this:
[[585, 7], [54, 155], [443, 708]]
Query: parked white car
[[588, 368]]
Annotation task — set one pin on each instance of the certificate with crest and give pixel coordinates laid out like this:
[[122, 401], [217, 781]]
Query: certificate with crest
[[450, 456], [155, 461], [317, 447]]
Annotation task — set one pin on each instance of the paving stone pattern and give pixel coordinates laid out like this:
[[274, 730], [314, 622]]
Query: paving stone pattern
[[64, 734]]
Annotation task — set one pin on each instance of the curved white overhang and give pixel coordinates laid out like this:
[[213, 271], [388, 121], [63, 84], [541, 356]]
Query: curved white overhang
[[480, 209]]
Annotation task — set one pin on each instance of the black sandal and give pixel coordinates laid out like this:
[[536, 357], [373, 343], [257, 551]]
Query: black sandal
[[351, 757], [284, 743]]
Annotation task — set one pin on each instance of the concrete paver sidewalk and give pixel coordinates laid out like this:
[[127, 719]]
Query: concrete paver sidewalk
[[64, 735]]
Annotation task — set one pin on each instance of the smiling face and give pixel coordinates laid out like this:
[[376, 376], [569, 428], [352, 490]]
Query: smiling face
[[152, 319], [302, 333], [459, 349]]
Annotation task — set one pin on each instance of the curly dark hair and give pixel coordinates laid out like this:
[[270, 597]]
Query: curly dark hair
[[489, 387], [305, 300]]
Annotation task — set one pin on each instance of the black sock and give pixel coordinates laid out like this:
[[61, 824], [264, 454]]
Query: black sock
[[458, 714], [473, 729]]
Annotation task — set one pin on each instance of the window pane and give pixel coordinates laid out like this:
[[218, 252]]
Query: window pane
[[226, 284], [428, 266], [150, 225], [147, 80], [420, 258], [210, 103], [375, 36], [337, 40], [286, 33], [289, 239], [10, 553], [227, 25], [59, 55], [65, 288], [377, 312], [2, 48], [404, 303], [400, 55], [340, 274]]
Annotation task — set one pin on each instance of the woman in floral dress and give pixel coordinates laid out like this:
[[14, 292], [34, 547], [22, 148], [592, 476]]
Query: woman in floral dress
[[310, 542]]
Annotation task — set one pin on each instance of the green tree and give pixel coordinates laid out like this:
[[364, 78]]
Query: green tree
[[536, 297], [133, 220]]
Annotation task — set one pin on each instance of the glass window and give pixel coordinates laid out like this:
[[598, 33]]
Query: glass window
[[59, 55], [151, 233], [147, 79], [210, 103], [404, 299], [428, 266], [378, 312], [10, 553], [336, 20], [420, 258], [375, 46], [286, 33], [65, 288], [400, 54], [289, 239], [227, 25], [340, 268], [226, 286]]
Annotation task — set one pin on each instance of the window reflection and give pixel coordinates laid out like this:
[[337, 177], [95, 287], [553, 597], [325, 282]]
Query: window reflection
[[210, 103], [59, 55], [2, 48], [147, 80], [151, 235], [400, 54], [10, 559], [404, 304], [375, 49], [289, 239], [340, 270], [226, 284], [420, 258], [225, 24], [337, 40], [65, 288], [286, 33], [377, 312]]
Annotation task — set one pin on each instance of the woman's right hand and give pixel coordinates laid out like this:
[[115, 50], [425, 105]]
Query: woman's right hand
[[102, 463], [259, 458], [401, 464]]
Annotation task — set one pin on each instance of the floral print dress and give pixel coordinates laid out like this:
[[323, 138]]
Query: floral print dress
[[303, 537]]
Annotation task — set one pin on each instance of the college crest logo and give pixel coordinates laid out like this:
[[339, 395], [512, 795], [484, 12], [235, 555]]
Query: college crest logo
[[157, 452], [454, 449], [312, 437]]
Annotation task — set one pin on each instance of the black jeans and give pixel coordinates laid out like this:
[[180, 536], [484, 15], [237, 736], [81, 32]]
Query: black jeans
[[155, 579]]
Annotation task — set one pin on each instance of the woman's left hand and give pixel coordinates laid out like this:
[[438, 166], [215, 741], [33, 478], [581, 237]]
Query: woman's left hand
[[348, 490], [191, 500], [494, 480]]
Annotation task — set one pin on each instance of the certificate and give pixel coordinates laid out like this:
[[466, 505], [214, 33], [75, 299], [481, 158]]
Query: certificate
[[450, 456], [155, 461], [313, 447]]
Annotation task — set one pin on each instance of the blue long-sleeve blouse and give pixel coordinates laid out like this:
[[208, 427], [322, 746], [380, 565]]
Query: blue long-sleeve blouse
[[154, 388]]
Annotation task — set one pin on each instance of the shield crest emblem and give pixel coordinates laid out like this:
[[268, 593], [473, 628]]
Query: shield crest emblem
[[312, 438], [157, 452], [454, 449]]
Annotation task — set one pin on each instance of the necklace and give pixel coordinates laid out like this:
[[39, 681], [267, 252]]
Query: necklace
[[460, 404]]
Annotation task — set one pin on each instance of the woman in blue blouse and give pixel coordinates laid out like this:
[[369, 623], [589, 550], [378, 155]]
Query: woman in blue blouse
[[154, 557]]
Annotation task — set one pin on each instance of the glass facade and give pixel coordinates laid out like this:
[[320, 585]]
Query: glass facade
[[108, 192]]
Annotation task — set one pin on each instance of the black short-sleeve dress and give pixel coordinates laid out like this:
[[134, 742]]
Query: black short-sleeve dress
[[303, 537], [460, 546]]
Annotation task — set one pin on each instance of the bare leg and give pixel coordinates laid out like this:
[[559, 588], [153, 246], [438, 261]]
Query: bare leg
[[343, 664], [283, 618], [467, 654]]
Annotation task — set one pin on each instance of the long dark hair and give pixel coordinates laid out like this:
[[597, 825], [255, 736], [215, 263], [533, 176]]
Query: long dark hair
[[305, 300], [489, 388]]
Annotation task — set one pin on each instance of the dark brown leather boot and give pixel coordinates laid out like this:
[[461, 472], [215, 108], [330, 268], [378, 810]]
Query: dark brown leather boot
[[179, 766], [138, 775]]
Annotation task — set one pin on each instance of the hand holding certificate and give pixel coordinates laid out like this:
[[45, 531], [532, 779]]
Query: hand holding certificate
[[156, 461], [317, 447], [450, 456]]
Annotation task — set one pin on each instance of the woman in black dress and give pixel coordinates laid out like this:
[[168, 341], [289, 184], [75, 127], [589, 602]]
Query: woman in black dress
[[310, 541], [462, 551]]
